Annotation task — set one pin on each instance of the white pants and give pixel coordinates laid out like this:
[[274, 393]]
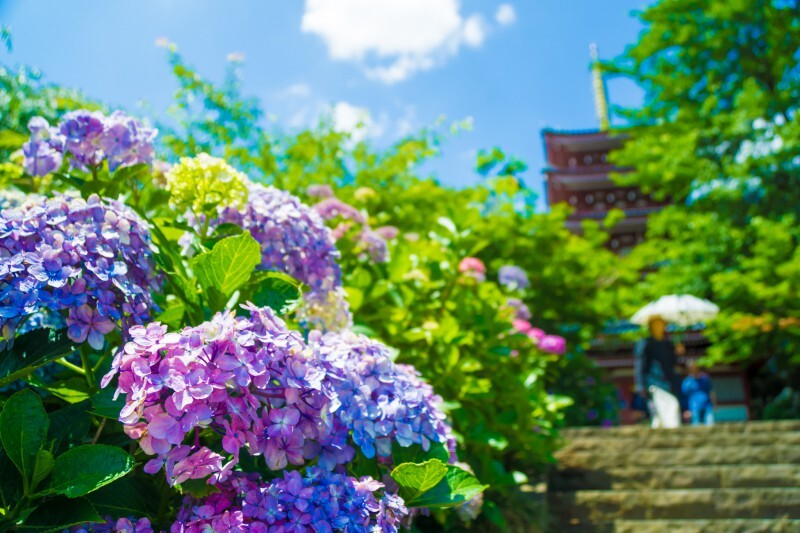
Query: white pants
[[664, 409]]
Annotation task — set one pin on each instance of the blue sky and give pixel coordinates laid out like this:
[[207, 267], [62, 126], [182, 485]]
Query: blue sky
[[514, 66]]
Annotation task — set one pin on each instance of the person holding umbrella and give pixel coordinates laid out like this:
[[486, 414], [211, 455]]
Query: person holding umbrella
[[655, 359]]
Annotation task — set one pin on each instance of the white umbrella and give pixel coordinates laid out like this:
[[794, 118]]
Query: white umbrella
[[681, 309]]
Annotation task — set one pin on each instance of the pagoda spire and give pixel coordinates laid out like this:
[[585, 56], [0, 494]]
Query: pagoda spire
[[600, 93]]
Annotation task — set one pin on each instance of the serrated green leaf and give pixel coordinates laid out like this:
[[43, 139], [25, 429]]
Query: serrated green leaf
[[415, 453], [417, 479], [275, 290], [44, 465], [23, 429], [58, 514], [229, 264], [456, 487], [84, 469], [32, 350]]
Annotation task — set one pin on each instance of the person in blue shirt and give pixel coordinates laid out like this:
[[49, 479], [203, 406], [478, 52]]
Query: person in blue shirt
[[699, 392]]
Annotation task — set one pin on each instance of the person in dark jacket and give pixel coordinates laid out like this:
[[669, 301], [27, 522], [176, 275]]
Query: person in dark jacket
[[655, 359]]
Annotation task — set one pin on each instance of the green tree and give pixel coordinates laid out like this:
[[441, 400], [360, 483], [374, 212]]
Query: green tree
[[719, 134]]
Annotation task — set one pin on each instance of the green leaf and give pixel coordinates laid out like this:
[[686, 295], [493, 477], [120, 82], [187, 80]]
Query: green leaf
[[229, 264], [68, 426], [23, 429], [363, 466], [457, 487], [275, 290], [10, 482], [417, 479], [86, 468], [415, 453], [72, 390], [104, 404], [173, 314], [44, 465], [127, 496], [32, 350], [58, 514], [197, 488]]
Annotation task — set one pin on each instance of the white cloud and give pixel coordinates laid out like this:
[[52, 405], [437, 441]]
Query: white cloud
[[505, 15], [392, 39]]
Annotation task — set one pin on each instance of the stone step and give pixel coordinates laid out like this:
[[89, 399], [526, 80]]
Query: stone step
[[732, 525], [656, 439], [611, 457], [707, 526], [597, 507], [754, 426], [677, 477]]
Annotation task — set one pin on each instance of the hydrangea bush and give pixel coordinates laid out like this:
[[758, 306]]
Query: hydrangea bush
[[208, 376]]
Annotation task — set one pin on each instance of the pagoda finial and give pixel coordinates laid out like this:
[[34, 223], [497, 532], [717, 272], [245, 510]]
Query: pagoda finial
[[600, 94]]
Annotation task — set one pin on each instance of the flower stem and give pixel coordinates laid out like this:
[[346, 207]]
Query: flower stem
[[88, 371], [67, 364]]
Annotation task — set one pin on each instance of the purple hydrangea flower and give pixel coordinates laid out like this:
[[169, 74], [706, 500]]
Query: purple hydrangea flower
[[381, 401], [521, 311], [513, 277], [121, 525], [44, 151], [332, 208], [374, 246], [248, 378], [319, 191], [89, 260], [319, 501], [293, 237], [90, 138]]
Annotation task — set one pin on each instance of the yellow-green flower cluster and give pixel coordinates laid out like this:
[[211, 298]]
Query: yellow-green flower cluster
[[202, 183]]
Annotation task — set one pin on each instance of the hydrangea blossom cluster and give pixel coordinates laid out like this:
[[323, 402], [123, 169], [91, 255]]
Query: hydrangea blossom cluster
[[89, 259], [374, 246], [521, 311], [333, 208], [381, 401], [319, 191], [547, 343], [473, 267], [122, 525], [11, 197], [197, 184], [249, 378], [293, 237], [90, 137], [371, 244], [513, 277], [319, 501]]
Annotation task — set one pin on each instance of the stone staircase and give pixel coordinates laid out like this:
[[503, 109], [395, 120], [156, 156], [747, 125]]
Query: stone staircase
[[730, 478]]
